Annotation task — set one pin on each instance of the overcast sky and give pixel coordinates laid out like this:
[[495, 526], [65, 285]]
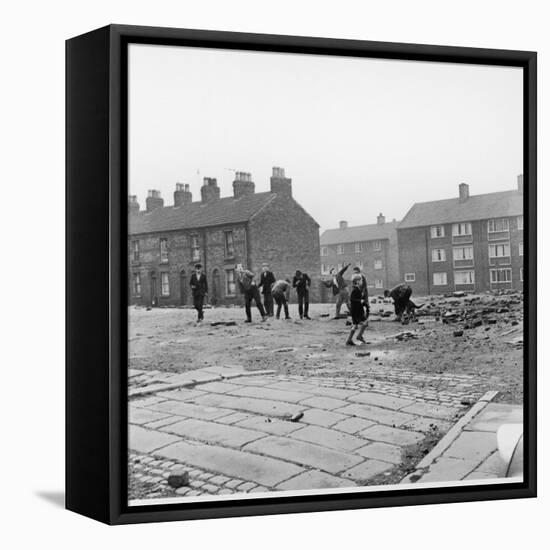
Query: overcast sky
[[357, 136]]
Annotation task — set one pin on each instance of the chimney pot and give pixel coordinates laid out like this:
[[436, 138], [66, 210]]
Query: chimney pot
[[381, 219], [520, 183], [133, 204], [343, 224], [210, 190], [280, 183], [182, 194], [153, 200], [463, 191], [243, 184]]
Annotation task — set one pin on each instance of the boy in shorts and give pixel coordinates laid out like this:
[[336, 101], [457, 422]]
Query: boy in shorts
[[358, 317]]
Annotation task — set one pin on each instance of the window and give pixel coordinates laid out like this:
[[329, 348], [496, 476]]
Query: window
[[501, 275], [137, 284], [410, 277], [440, 279], [438, 255], [195, 248], [501, 250], [377, 264], [163, 251], [520, 222], [378, 283], [521, 248], [230, 286], [437, 231], [463, 253], [495, 226], [358, 247], [461, 229], [164, 284], [464, 278], [377, 245], [521, 274], [324, 251], [229, 245], [325, 269], [135, 251], [339, 249]]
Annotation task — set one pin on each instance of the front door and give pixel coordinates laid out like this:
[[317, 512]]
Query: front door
[[153, 290]]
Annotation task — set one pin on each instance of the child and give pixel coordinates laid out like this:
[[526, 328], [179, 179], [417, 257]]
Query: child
[[358, 317], [280, 291]]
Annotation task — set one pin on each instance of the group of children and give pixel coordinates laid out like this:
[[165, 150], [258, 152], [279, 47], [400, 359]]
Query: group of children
[[278, 291]]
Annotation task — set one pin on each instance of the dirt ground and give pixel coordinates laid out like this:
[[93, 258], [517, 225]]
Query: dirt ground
[[478, 335]]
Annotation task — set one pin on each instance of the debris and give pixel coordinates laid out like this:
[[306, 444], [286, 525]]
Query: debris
[[296, 417], [178, 478], [224, 323], [457, 333], [362, 354], [403, 336], [459, 293], [283, 350]]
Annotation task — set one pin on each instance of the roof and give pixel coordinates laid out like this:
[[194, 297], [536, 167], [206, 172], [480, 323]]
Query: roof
[[476, 207], [358, 233], [195, 215]]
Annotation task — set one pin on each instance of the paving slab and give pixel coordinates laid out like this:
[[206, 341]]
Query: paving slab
[[229, 462], [274, 426], [449, 469], [292, 386], [432, 410], [303, 453], [314, 479], [190, 410], [319, 417], [264, 407], [219, 387], [472, 445], [211, 432], [352, 425], [146, 441], [143, 416], [328, 438], [323, 402], [337, 393], [181, 394], [494, 415], [271, 394], [381, 400], [377, 414], [425, 424], [493, 465], [382, 451], [395, 436], [367, 469]]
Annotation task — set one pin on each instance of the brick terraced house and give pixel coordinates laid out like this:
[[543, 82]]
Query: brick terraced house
[[472, 243], [248, 228], [371, 247]]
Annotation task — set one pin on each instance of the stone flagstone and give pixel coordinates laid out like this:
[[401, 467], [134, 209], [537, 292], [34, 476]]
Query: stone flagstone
[[314, 479], [146, 441], [381, 451], [304, 453], [190, 410], [271, 394], [369, 468], [376, 414], [381, 400], [432, 410], [251, 467], [249, 404], [328, 438], [472, 445], [394, 436]]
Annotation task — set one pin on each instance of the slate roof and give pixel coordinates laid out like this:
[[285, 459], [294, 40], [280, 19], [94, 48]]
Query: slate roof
[[226, 210], [476, 207], [358, 233]]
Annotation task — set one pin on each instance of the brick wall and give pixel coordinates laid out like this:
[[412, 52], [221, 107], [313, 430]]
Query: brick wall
[[413, 258], [285, 236]]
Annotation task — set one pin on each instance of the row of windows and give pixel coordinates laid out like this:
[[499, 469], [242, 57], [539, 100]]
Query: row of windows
[[325, 268], [195, 248], [498, 250], [501, 275], [497, 225], [357, 248]]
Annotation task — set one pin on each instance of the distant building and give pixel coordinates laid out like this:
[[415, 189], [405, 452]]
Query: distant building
[[371, 247], [472, 243], [248, 228]]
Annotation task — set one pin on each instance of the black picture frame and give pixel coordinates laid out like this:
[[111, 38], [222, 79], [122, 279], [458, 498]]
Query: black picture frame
[[96, 282]]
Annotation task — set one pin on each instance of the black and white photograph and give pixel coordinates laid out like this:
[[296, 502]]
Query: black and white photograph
[[325, 274]]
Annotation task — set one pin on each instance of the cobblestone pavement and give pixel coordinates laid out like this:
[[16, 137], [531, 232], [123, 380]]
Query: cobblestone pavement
[[233, 431]]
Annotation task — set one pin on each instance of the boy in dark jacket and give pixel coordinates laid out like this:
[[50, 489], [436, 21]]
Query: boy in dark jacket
[[301, 282], [358, 317], [339, 289], [250, 290], [199, 288]]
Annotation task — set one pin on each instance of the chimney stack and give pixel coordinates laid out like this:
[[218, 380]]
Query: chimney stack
[[380, 219], [520, 183], [463, 191], [243, 184], [343, 224], [154, 200], [279, 183], [210, 190], [133, 204], [182, 195]]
